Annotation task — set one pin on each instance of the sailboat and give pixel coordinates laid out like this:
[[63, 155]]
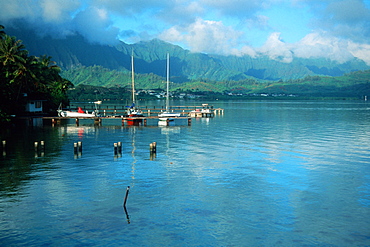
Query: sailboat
[[133, 112], [78, 113], [167, 115]]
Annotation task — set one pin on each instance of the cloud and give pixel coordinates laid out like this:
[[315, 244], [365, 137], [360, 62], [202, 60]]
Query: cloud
[[182, 13], [344, 18], [276, 49], [234, 8], [57, 11], [204, 36], [361, 51], [339, 29], [96, 26], [41, 10], [321, 44]]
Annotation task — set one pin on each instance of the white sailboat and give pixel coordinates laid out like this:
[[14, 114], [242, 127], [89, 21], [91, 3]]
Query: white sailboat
[[78, 113], [133, 112], [167, 115]]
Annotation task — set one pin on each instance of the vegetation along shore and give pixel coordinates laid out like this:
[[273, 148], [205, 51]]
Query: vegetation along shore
[[26, 77]]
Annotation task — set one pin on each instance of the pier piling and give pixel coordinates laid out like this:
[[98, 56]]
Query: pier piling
[[79, 145], [153, 147], [115, 148]]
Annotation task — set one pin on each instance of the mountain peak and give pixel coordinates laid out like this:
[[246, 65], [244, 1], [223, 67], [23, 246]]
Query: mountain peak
[[150, 57]]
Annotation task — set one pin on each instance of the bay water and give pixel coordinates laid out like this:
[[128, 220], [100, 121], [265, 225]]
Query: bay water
[[263, 173]]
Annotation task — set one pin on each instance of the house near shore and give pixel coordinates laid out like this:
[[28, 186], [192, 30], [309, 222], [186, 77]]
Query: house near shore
[[34, 106]]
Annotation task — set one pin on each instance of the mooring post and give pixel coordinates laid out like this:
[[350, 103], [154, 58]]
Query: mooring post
[[153, 150], [4, 146], [75, 148], [119, 145], [36, 144], [115, 148], [123, 122], [42, 145], [77, 121], [125, 200], [79, 145], [189, 121], [153, 147]]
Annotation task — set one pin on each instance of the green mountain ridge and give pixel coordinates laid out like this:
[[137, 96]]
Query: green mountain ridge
[[74, 53]]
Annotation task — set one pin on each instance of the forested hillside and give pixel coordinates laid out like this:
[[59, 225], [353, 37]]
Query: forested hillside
[[73, 52], [97, 65]]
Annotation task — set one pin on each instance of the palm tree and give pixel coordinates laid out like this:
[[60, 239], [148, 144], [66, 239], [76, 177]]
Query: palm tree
[[12, 52], [2, 33]]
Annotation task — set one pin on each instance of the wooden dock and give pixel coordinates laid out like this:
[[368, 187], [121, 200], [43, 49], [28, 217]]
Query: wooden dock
[[112, 112], [119, 111], [124, 120]]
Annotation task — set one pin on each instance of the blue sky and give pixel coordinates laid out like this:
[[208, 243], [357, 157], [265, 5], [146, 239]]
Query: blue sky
[[282, 29]]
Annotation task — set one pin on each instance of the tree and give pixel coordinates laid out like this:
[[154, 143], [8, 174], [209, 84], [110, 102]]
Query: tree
[[2, 32], [21, 74]]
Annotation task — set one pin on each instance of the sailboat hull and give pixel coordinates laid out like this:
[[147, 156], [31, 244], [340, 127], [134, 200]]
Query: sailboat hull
[[170, 116]]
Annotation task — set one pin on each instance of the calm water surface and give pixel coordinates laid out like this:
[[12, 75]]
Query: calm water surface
[[263, 174]]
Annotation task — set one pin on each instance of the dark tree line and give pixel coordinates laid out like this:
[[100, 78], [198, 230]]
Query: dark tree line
[[24, 77]]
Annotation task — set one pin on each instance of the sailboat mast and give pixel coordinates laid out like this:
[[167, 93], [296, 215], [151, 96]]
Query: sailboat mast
[[133, 78], [168, 82]]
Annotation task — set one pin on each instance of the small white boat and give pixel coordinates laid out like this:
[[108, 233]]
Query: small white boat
[[78, 113], [204, 112], [167, 115], [170, 116]]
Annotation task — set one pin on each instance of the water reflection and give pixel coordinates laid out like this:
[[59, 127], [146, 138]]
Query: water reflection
[[280, 174]]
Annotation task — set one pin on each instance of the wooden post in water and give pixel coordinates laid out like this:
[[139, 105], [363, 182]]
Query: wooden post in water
[[42, 145], [125, 200], [153, 147], [115, 148], [189, 121], [119, 145], [4, 146], [97, 121], [36, 144], [79, 145], [123, 122], [153, 150], [77, 121], [75, 148]]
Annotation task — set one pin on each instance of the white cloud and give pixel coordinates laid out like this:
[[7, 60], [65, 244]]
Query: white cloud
[[58, 11], [95, 24], [204, 36], [361, 51], [45, 10], [181, 13], [244, 51], [321, 44], [340, 28], [276, 49]]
